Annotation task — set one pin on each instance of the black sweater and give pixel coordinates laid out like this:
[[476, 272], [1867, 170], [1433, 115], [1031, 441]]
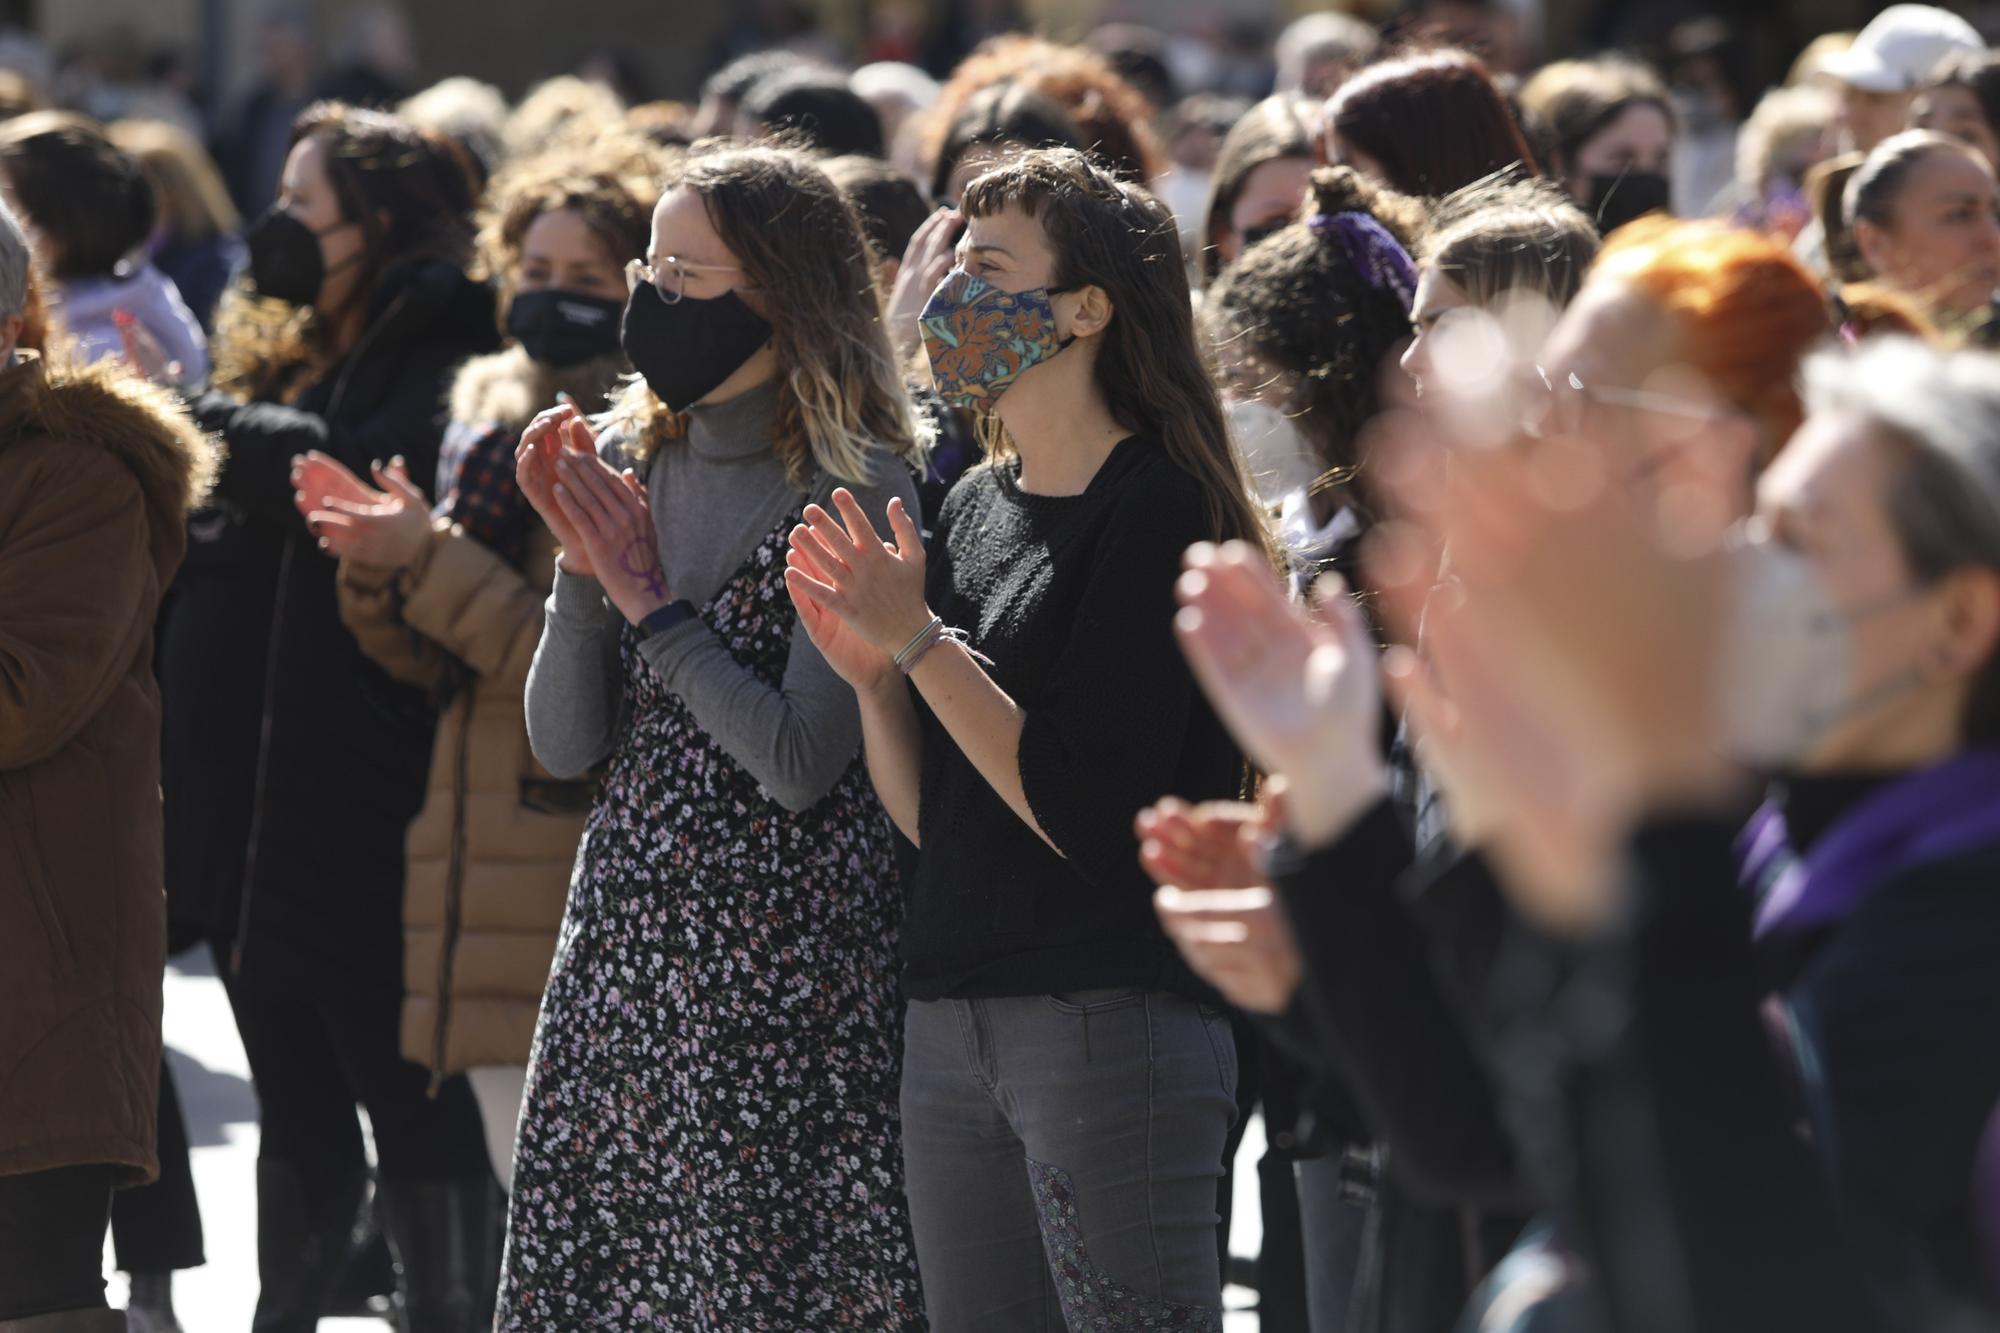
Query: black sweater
[[1071, 597]]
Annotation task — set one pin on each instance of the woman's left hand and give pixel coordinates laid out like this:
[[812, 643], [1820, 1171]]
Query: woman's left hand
[[386, 528], [613, 519], [875, 588]]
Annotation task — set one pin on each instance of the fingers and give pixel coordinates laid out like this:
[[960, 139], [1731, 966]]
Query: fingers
[[395, 478], [577, 436], [1216, 905], [866, 540], [355, 509], [820, 559], [909, 541], [546, 424], [831, 535], [803, 586]]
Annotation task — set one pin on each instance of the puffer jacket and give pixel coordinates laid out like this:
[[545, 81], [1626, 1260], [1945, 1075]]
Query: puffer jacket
[[98, 471], [489, 856]]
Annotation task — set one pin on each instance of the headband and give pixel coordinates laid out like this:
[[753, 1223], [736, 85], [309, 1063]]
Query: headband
[[1379, 256]]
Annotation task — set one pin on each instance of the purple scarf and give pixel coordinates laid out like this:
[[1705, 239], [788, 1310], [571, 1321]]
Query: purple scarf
[[1930, 815]]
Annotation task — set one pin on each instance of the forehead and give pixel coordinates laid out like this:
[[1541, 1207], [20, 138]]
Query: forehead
[[681, 227], [560, 229], [1275, 182], [1835, 464], [1641, 125], [1436, 294], [1011, 229], [1950, 172], [1613, 334]]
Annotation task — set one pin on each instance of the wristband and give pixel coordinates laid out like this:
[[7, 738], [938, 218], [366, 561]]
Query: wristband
[[668, 616]]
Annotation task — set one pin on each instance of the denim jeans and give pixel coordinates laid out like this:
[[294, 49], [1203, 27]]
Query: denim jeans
[[1061, 1154]]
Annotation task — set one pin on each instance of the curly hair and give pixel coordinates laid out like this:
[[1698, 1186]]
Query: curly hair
[[410, 191], [616, 206], [1113, 235], [1295, 309], [1112, 117], [798, 241]]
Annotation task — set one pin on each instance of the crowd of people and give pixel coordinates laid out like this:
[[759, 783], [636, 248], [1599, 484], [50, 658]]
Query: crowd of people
[[809, 698]]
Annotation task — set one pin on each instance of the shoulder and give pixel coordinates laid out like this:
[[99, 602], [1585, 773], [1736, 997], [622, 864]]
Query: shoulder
[[1155, 501], [134, 426], [495, 390], [889, 478], [1934, 929]]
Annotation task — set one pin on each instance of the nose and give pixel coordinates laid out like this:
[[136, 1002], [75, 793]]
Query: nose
[[1416, 359]]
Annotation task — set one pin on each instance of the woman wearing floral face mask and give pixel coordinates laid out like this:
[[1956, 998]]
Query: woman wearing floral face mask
[[455, 605], [709, 1135], [1022, 699]]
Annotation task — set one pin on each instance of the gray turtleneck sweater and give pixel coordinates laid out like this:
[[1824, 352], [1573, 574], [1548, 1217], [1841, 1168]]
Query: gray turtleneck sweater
[[716, 496]]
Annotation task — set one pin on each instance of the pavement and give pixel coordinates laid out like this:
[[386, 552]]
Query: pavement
[[214, 1082]]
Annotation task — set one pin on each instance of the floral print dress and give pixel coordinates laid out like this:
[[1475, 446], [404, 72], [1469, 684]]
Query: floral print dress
[[710, 1136]]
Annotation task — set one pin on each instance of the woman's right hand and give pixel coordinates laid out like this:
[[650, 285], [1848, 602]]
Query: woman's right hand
[[560, 427], [855, 660], [929, 257]]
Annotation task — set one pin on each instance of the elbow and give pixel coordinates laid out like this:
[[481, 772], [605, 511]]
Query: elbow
[[564, 751], [798, 794]]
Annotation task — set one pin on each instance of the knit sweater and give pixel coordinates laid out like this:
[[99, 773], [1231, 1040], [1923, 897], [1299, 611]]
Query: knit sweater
[[1071, 597], [715, 497]]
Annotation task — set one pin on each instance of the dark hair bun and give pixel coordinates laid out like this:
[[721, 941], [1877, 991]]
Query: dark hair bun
[[1345, 190]]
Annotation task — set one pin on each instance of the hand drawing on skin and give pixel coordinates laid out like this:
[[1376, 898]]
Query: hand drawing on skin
[[641, 560]]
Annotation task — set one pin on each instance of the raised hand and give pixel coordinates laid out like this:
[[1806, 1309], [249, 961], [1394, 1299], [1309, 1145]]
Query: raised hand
[[1214, 845], [1297, 690], [387, 528], [1238, 941], [877, 590], [612, 522], [852, 657], [926, 260], [559, 429], [318, 477]]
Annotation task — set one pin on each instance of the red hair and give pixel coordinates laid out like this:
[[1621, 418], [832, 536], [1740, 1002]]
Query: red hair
[[1748, 311]]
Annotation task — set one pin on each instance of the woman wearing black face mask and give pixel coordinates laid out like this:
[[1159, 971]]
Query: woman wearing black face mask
[[454, 603], [710, 1135], [1611, 129], [293, 762]]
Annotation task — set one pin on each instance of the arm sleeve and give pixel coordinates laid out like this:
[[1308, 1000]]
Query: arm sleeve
[[1373, 999], [575, 683], [798, 738], [73, 579], [370, 601], [1698, 1203], [263, 438], [1103, 736]]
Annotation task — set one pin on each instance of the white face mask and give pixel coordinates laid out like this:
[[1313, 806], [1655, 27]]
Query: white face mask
[[1277, 455], [1789, 656]]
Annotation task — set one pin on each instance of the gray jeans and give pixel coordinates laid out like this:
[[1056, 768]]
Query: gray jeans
[[1061, 1155]]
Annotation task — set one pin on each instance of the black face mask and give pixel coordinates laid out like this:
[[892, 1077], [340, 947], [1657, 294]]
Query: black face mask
[[286, 263], [1619, 199], [687, 349], [564, 329]]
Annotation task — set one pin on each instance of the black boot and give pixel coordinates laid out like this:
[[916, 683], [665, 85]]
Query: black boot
[[446, 1236], [300, 1238]]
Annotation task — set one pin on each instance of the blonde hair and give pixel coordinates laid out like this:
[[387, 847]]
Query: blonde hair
[[798, 241], [194, 203], [562, 110]]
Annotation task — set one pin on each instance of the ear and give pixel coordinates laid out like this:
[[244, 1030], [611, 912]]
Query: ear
[[1093, 312], [1972, 620]]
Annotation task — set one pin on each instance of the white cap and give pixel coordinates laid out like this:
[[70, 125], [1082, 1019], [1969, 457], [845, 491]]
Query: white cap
[[1900, 47]]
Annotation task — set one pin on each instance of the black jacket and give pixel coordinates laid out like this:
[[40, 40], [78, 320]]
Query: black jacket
[[293, 763]]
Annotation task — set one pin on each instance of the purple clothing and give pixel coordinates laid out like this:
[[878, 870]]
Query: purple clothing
[[85, 307]]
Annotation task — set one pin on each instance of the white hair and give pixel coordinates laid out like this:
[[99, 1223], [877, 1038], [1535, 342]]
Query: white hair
[[893, 78]]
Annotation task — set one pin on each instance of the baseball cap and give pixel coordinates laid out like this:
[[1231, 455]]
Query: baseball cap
[[1899, 48]]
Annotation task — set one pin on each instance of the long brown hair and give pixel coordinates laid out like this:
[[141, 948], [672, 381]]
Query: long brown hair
[[1435, 121], [1276, 129], [798, 241], [410, 191], [1113, 235]]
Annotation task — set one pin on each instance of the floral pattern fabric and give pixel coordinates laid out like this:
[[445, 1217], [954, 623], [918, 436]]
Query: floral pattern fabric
[[710, 1137], [979, 338]]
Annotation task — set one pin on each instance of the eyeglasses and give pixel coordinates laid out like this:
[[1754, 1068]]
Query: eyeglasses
[[669, 275], [1554, 405]]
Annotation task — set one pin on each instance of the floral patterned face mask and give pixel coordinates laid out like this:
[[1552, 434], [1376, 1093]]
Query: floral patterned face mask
[[980, 339]]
